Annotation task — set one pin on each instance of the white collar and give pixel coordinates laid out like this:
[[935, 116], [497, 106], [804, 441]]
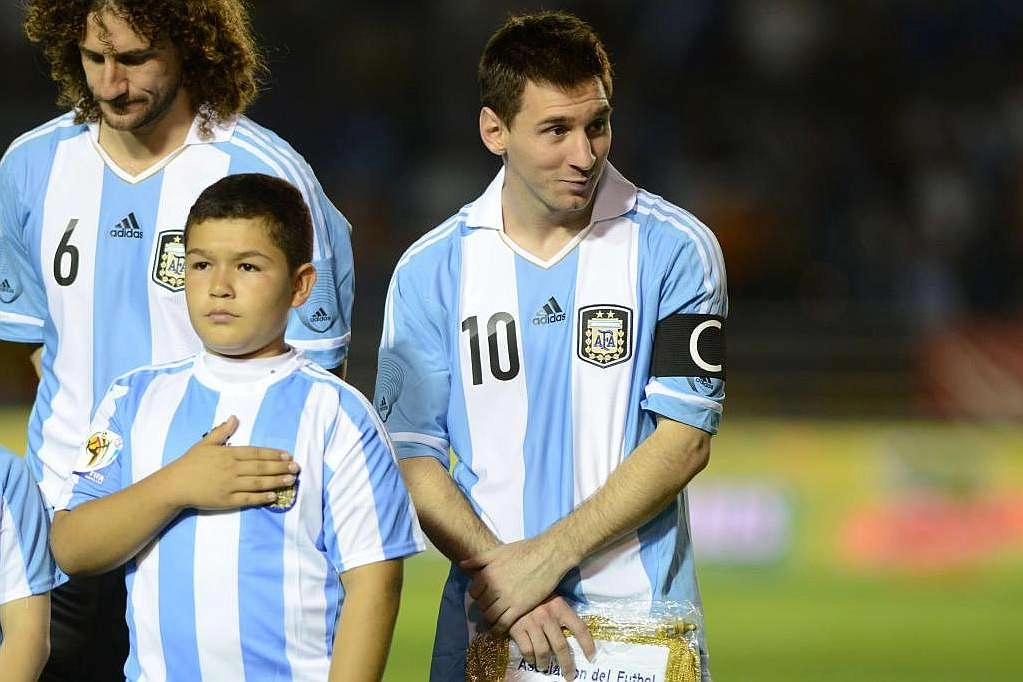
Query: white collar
[[228, 374], [221, 131], [615, 197]]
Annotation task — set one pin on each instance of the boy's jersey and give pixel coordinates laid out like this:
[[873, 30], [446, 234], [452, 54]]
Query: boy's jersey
[[249, 594], [92, 265], [26, 566], [541, 375]]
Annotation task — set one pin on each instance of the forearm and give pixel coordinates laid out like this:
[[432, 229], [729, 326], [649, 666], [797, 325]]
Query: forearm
[[103, 534], [642, 486], [363, 638], [25, 645], [445, 514]]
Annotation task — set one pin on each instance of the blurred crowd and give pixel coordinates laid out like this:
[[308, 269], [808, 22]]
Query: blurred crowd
[[854, 157]]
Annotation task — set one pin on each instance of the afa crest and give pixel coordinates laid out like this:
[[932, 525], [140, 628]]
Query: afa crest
[[605, 334], [169, 262]]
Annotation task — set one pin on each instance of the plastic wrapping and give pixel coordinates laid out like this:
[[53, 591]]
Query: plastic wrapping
[[633, 645]]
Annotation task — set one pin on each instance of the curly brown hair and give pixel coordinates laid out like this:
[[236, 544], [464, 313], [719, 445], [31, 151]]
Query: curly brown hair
[[221, 64]]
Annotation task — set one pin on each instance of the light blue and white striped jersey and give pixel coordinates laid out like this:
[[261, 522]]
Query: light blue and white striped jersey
[[538, 375], [26, 565], [92, 265], [252, 594]]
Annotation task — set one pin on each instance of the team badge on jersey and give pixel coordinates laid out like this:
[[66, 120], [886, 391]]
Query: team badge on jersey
[[286, 498], [605, 334], [100, 450], [169, 263]]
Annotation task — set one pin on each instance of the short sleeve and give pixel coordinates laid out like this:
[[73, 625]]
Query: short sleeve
[[321, 327], [97, 472], [368, 514], [26, 565], [22, 297], [413, 374], [687, 382]]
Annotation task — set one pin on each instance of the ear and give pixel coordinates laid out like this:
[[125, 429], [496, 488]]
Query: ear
[[302, 281], [492, 131]]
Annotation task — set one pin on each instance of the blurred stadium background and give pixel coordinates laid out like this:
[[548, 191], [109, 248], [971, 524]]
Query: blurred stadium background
[[862, 166]]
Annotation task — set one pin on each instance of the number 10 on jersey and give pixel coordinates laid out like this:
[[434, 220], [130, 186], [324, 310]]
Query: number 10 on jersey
[[503, 365]]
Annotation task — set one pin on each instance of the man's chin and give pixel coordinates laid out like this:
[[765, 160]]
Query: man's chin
[[125, 122]]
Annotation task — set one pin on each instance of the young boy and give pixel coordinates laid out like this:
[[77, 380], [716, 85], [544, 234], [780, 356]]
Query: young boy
[[233, 553], [27, 573]]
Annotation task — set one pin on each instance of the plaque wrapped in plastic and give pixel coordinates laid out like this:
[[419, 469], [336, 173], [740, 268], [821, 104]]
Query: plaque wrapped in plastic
[[630, 648]]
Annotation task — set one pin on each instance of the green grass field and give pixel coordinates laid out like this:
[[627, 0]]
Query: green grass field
[[814, 613]]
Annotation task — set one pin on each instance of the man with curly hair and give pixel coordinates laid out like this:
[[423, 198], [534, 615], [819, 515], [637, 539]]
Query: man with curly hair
[[92, 211]]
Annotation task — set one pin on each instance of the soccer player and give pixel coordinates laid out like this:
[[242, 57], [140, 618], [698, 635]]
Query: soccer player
[[27, 573], [92, 206], [233, 553], [563, 334]]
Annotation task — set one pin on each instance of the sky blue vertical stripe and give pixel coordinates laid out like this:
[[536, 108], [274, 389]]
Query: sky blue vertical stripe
[[333, 593], [121, 303], [389, 495], [549, 487], [193, 417], [261, 540]]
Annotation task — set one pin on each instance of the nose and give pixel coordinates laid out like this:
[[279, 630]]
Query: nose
[[220, 284], [112, 82], [581, 155]]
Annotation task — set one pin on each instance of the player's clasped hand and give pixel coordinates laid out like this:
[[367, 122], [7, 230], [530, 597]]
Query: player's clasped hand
[[539, 636], [213, 475]]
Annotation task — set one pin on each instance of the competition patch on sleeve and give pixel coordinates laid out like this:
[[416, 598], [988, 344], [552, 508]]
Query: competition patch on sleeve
[[689, 346], [390, 380], [9, 288], [100, 451], [320, 309]]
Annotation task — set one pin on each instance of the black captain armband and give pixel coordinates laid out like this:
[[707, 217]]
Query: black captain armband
[[689, 346]]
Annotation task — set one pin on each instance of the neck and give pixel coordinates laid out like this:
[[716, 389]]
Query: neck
[[136, 150], [537, 229]]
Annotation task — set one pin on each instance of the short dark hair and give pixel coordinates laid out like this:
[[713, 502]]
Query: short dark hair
[[254, 195], [550, 48]]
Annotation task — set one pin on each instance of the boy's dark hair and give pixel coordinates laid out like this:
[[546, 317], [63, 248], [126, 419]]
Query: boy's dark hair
[[254, 195], [549, 48]]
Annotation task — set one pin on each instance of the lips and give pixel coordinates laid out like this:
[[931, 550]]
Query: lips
[[220, 316]]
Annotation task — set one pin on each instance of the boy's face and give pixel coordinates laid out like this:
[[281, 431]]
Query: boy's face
[[239, 289]]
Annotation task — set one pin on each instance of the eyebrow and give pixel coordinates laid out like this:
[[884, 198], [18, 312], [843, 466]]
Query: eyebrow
[[238, 256], [565, 120], [136, 53]]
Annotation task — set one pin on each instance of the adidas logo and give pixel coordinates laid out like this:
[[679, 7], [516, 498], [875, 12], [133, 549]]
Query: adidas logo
[[550, 313], [127, 228], [6, 287], [320, 315]]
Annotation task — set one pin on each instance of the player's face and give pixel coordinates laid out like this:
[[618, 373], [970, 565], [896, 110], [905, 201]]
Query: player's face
[[239, 288], [135, 82], [557, 145]]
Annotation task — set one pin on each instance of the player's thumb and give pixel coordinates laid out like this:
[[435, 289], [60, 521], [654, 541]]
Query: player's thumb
[[219, 434]]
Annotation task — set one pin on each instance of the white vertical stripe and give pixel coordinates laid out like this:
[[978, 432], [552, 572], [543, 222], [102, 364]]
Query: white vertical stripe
[[496, 409], [607, 274], [217, 536], [13, 581], [350, 494], [71, 307], [198, 167], [306, 570], [151, 427]]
